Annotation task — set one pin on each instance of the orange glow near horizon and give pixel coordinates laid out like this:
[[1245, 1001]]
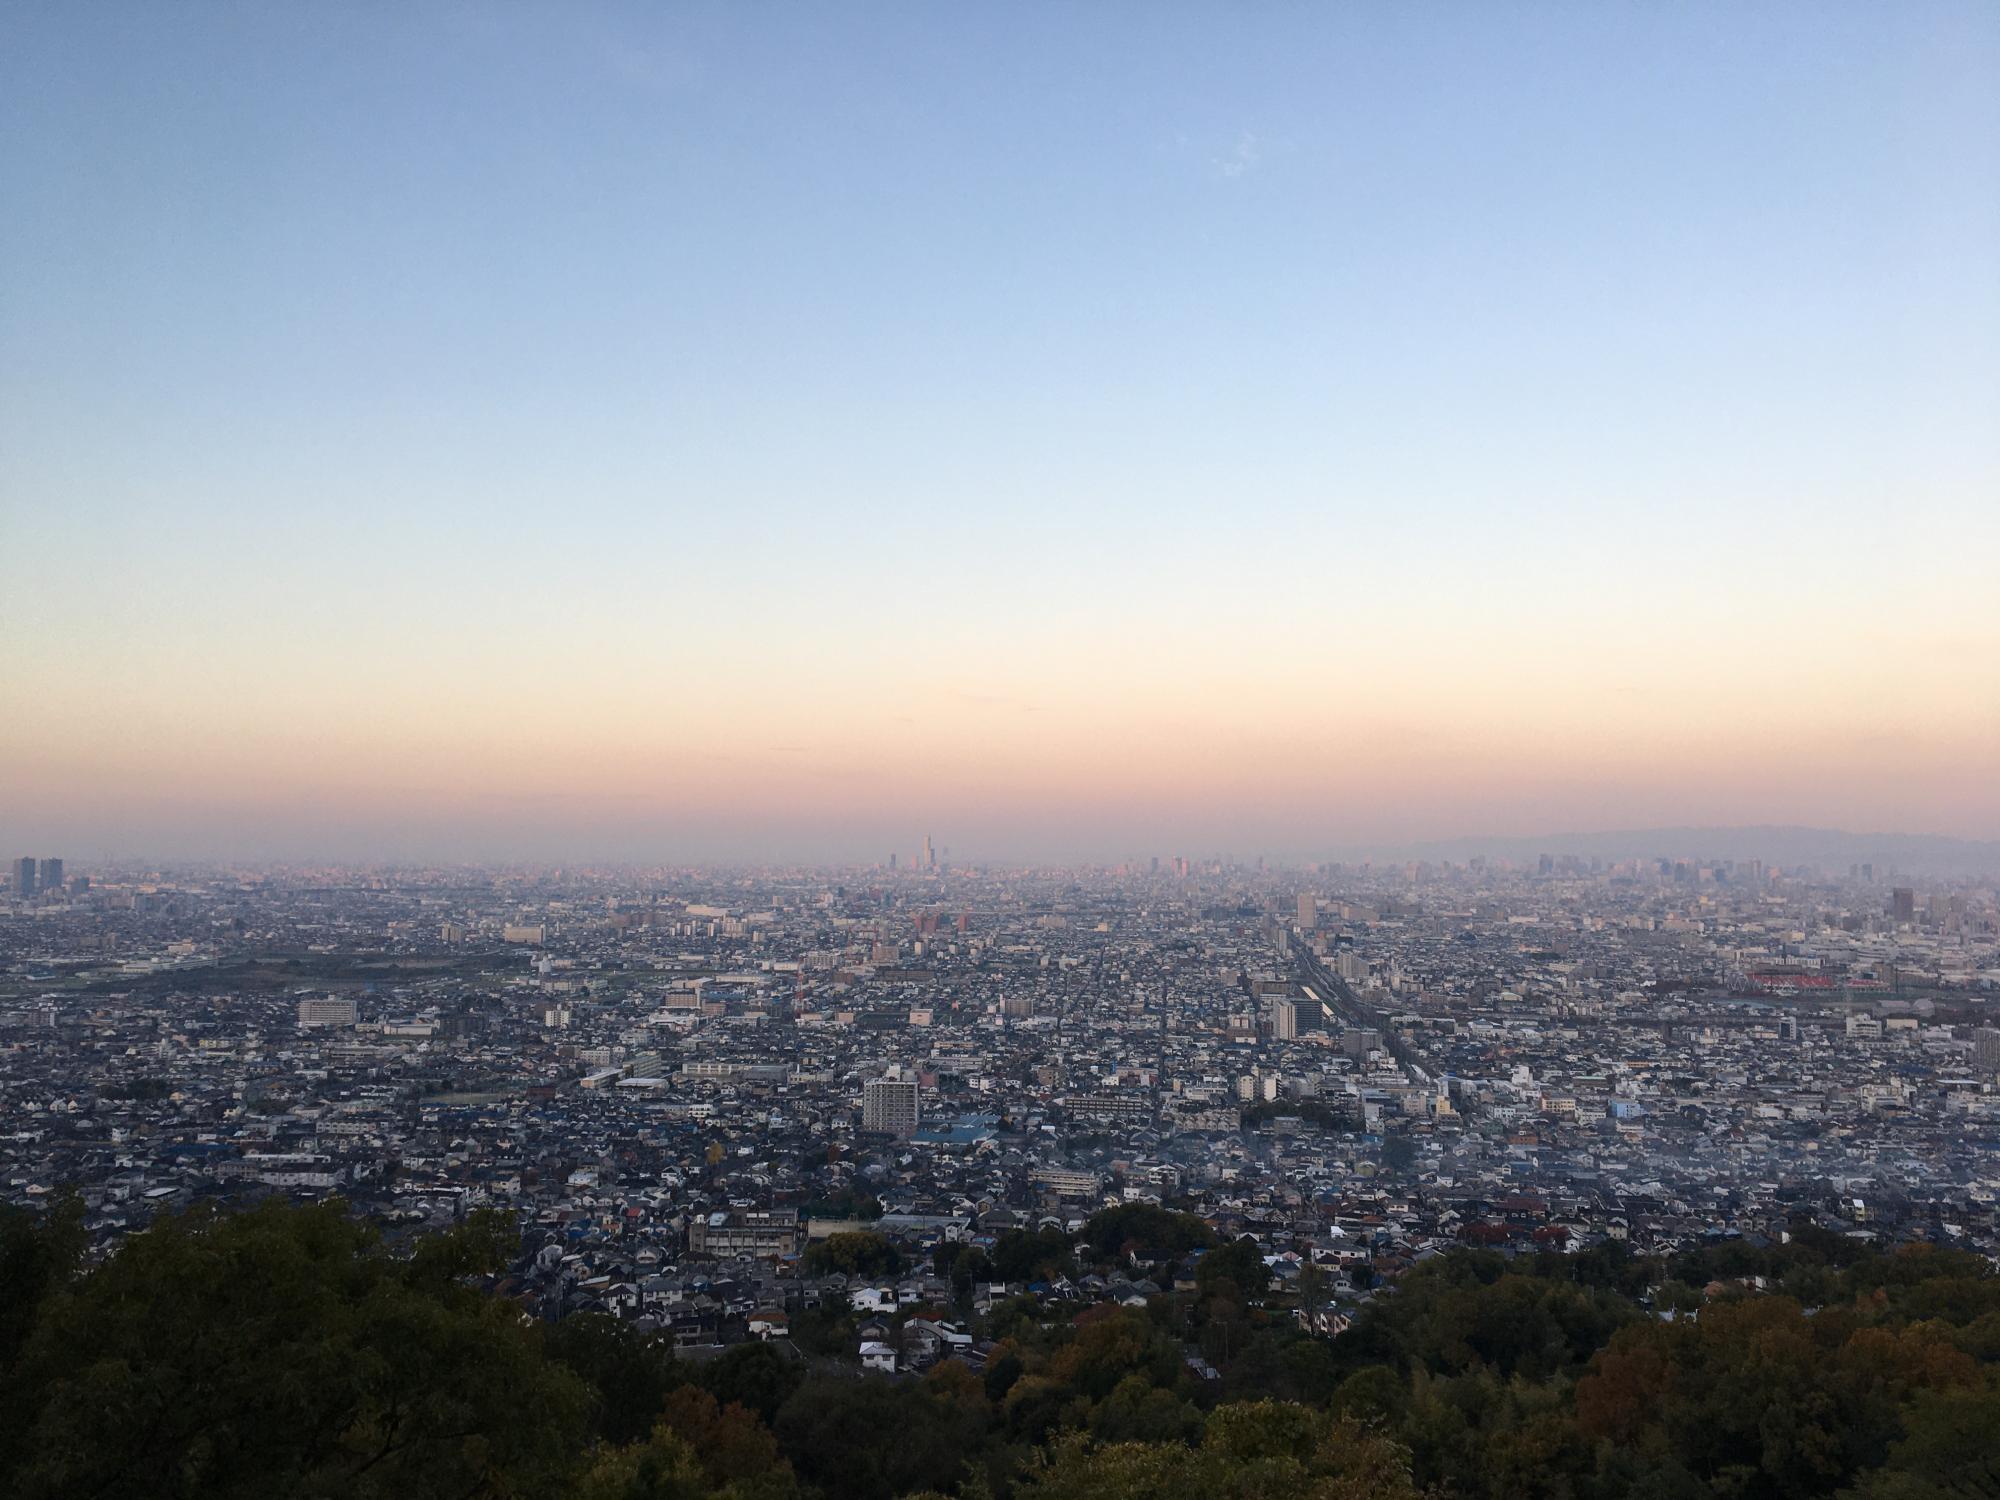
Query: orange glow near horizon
[[1087, 756]]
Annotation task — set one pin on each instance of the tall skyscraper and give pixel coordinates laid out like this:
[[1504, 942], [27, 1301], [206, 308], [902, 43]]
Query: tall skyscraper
[[930, 854], [1308, 911], [24, 877], [1903, 904], [50, 877], [1285, 1018], [889, 1105]]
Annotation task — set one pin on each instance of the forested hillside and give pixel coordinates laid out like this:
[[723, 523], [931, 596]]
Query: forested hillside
[[285, 1352]]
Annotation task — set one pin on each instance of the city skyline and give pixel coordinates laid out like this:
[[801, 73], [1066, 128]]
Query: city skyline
[[598, 433], [1724, 853]]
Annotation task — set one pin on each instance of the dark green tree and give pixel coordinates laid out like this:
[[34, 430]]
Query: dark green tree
[[1239, 1265], [628, 1373], [39, 1254], [1143, 1226], [858, 1253], [757, 1376], [280, 1352], [874, 1439], [1025, 1255]]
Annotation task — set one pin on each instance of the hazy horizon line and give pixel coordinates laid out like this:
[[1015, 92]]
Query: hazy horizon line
[[1449, 849]]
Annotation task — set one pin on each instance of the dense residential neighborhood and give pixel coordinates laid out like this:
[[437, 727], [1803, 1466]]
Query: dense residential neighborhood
[[697, 1093]]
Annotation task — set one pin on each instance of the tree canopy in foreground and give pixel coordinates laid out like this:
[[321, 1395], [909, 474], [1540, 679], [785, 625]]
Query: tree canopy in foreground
[[287, 1352]]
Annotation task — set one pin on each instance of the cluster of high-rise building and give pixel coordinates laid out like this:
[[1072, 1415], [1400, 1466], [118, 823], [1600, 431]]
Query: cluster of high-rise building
[[680, 1078], [33, 877]]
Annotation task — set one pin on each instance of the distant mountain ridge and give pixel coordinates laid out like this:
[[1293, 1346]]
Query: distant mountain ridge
[[1775, 844]]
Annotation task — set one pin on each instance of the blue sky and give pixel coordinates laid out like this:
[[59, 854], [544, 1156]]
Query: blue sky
[[380, 345]]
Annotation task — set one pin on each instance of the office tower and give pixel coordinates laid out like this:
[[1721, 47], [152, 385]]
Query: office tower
[[50, 877], [892, 861], [1308, 911], [889, 1105], [930, 855], [1903, 904], [24, 877]]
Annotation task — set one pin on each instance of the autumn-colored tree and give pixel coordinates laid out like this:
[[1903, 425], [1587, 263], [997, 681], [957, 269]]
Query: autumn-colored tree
[[1625, 1392], [730, 1444], [663, 1467], [1261, 1451]]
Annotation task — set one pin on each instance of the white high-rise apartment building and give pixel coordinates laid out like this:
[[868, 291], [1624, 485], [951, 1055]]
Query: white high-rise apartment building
[[328, 1012], [889, 1104], [1285, 1020]]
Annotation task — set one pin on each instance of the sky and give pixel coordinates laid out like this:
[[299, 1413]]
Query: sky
[[455, 431]]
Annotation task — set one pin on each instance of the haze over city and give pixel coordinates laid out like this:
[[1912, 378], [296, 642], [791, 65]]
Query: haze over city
[[941, 751], [631, 432]]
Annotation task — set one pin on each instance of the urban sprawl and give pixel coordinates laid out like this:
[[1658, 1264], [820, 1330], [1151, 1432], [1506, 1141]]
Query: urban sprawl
[[681, 1082]]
